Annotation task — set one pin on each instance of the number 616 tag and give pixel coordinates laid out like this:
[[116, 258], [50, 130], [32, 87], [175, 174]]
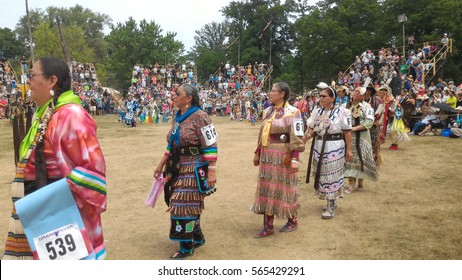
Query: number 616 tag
[[210, 134], [65, 243]]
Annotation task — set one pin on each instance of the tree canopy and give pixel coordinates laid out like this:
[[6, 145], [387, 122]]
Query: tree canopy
[[305, 43], [131, 43], [10, 46]]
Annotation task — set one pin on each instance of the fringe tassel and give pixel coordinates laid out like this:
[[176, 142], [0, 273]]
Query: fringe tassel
[[186, 182], [184, 169], [187, 196], [17, 190], [277, 192], [286, 197], [280, 212], [329, 195], [15, 226], [378, 159], [21, 258], [353, 168], [186, 210]]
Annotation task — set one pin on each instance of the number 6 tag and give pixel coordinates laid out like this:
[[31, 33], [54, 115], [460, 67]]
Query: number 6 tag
[[298, 127], [65, 243], [210, 134], [370, 114]]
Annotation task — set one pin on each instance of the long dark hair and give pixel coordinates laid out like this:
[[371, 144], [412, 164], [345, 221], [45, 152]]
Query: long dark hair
[[50, 67]]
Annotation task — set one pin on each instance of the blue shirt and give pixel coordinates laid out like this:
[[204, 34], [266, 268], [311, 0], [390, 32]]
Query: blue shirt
[[341, 101]]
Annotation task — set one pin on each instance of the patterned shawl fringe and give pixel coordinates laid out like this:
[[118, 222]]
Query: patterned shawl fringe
[[272, 168], [331, 177], [329, 195], [332, 165], [353, 168], [15, 226], [378, 158], [11, 258], [375, 140], [267, 174], [272, 157], [17, 189], [403, 137], [285, 196], [355, 172], [278, 211], [17, 246]]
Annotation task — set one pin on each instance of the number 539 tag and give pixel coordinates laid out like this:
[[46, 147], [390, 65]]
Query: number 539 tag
[[65, 243]]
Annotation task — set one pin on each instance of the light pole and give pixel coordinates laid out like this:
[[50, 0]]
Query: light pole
[[402, 19], [165, 56], [30, 34]]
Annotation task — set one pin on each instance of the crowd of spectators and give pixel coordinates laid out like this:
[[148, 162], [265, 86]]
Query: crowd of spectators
[[9, 87], [232, 91], [95, 99], [239, 91]]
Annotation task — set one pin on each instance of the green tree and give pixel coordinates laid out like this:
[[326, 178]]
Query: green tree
[[10, 46], [48, 42], [209, 48], [90, 22], [130, 44], [264, 30]]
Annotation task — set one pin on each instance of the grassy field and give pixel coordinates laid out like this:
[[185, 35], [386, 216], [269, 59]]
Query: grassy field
[[413, 212]]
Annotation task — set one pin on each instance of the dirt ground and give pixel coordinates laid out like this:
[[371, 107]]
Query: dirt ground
[[413, 212]]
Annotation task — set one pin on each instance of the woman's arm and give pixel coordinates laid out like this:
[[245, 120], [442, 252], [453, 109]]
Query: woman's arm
[[349, 153], [160, 167], [72, 134]]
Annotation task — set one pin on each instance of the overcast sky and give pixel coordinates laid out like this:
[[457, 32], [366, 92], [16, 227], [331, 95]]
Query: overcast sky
[[181, 16]]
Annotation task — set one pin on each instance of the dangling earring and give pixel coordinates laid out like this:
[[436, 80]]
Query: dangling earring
[[52, 93]]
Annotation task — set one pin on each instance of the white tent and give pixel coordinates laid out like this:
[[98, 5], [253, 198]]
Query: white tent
[[114, 93]]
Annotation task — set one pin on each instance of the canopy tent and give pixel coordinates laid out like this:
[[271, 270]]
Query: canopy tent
[[114, 93]]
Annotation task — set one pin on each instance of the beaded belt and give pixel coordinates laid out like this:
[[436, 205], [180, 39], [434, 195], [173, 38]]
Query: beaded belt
[[279, 138], [189, 150], [331, 137]]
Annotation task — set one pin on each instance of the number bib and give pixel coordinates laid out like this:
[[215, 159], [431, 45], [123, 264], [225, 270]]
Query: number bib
[[210, 134], [65, 243], [298, 127], [370, 114]]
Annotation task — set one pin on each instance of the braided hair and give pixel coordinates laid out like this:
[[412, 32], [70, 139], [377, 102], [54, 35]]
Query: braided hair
[[58, 68]]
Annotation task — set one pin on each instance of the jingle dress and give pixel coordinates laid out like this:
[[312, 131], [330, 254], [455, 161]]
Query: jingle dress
[[185, 201], [362, 166], [335, 121], [376, 129], [277, 192]]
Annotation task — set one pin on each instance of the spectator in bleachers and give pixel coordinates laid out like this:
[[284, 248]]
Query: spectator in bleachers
[[452, 99], [444, 44]]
